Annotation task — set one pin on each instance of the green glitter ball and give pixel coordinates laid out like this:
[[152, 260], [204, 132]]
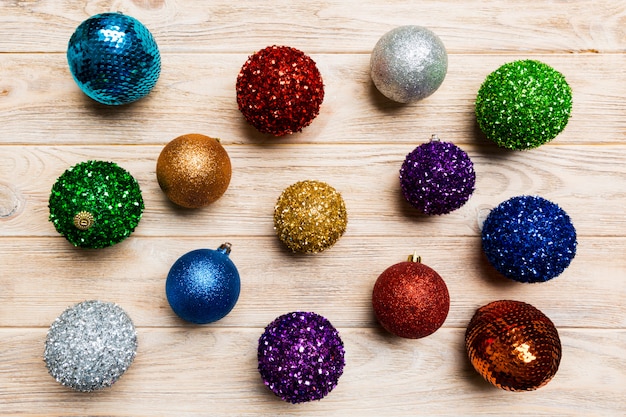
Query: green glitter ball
[[95, 204], [523, 104]]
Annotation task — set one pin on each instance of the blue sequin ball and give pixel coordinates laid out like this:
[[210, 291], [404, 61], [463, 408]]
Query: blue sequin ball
[[529, 239], [203, 285], [114, 59]]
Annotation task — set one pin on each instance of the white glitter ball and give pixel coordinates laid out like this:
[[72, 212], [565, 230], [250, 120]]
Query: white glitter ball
[[408, 63], [90, 345]]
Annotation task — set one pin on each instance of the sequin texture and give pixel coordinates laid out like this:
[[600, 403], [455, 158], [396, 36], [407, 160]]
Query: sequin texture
[[301, 357], [523, 104], [310, 216], [437, 177], [90, 346], [513, 345], [114, 58], [279, 90], [529, 239], [104, 190]]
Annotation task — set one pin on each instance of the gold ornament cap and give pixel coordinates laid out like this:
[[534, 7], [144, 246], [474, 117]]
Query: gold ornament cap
[[83, 220]]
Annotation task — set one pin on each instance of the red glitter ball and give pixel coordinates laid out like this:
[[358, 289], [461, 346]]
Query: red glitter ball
[[279, 90], [410, 300]]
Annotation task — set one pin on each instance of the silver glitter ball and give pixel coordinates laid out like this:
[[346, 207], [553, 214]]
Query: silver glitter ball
[[90, 345], [408, 63]]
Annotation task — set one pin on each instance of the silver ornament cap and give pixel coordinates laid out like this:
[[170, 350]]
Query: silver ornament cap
[[90, 345], [408, 63]]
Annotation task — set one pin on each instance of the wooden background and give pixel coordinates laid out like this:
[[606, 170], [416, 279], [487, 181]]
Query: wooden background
[[357, 145]]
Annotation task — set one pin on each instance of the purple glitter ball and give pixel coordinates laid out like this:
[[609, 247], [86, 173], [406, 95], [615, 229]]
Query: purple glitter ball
[[437, 177], [301, 357]]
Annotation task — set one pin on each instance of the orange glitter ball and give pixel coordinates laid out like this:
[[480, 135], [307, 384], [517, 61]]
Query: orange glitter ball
[[513, 345], [193, 170]]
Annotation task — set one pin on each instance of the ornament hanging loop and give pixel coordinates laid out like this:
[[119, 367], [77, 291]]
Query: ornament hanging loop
[[225, 248], [434, 138], [414, 257]]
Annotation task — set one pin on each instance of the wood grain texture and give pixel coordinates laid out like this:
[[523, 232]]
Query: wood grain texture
[[357, 145], [218, 375], [196, 93], [570, 26]]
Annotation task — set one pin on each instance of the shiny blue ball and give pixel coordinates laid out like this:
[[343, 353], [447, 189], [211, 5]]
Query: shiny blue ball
[[114, 59], [529, 239], [203, 285]]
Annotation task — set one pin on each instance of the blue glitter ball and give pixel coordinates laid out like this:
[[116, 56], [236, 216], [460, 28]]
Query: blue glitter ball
[[203, 285], [114, 59], [301, 357], [529, 239], [437, 177]]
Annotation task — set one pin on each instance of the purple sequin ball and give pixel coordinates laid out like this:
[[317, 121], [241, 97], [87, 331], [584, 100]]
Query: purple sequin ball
[[301, 357], [437, 177]]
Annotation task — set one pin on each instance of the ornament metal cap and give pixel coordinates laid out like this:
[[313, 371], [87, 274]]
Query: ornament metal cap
[[414, 257], [225, 248], [83, 220]]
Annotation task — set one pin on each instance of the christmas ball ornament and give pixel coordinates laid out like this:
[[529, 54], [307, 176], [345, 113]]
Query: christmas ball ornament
[[95, 204], [513, 345], [408, 64], [437, 177], [279, 90], [410, 299], [301, 357], [113, 58], [310, 216], [90, 346], [523, 104], [193, 170], [529, 239], [203, 285]]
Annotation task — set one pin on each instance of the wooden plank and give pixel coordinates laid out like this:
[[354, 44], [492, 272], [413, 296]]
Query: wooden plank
[[357, 145], [187, 372], [222, 26], [42, 277], [196, 93], [367, 176]]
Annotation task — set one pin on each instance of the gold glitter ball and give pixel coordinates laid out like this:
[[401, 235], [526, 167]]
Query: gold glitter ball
[[193, 170], [310, 216]]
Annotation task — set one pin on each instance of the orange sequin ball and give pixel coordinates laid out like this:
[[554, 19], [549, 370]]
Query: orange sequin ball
[[513, 345]]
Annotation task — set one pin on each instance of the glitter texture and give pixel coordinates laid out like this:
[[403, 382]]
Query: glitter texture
[[193, 170], [90, 345], [203, 285], [310, 216], [408, 64], [279, 90], [523, 104], [301, 357], [437, 177], [114, 59], [513, 345], [529, 239], [410, 300], [103, 190]]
